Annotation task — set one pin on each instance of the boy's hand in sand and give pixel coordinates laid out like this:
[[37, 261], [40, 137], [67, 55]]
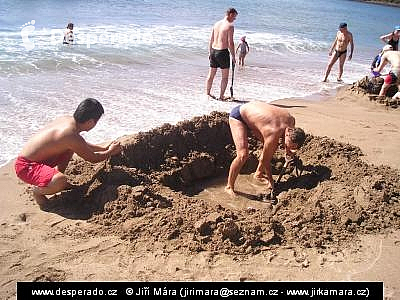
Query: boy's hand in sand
[[115, 148]]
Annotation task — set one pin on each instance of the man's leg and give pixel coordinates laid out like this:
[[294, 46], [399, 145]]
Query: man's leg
[[224, 82], [342, 59], [329, 67], [64, 161], [210, 79], [384, 89], [239, 135]]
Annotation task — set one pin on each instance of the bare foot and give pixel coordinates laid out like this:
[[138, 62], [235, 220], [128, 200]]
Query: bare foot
[[260, 178], [224, 98], [230, 191], [212, 96], [40, 199]]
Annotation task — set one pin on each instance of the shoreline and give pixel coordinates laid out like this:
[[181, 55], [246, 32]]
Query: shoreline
[[377, 2]]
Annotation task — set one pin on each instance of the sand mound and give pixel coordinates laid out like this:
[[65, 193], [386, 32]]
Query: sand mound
[[372, 87], [145, 195]]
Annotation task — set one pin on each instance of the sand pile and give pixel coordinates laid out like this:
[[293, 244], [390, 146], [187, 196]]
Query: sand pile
[[145, 195], [372, 87]]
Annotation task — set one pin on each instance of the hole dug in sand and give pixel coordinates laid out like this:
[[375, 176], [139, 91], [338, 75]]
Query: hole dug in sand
[[166, 191]]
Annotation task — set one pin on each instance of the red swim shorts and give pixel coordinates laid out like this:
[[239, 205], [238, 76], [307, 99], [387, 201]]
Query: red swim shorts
[[391, 78], [38, 174]]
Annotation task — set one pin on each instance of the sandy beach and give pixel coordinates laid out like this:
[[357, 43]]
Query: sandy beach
[[340, 218]]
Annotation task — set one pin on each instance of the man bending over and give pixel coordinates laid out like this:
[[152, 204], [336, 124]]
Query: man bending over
[[269, 124]]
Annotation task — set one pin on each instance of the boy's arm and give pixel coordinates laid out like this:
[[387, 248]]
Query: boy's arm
[[93, 155]]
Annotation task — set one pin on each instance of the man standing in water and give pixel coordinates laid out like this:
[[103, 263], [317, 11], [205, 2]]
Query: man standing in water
[[343, 39], [270, 124], [46, 155], [219, 47]]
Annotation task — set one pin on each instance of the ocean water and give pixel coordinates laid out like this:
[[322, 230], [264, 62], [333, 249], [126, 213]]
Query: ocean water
[[146, 61]]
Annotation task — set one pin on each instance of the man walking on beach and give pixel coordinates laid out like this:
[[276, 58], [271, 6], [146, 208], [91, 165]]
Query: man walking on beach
[[342, 40], [46, 155], [219, 47], [270, 124], [393, 58]]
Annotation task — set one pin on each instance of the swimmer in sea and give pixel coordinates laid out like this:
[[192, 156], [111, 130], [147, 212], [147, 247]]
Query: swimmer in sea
[[340, 44]]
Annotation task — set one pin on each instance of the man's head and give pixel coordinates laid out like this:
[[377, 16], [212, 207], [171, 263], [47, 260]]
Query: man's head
[[70, 26], [294, 139], [88, 109], [396, 30], [231, 14], [342, 26]]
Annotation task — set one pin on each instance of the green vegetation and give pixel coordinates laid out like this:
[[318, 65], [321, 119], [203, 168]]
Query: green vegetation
[[384, 2]]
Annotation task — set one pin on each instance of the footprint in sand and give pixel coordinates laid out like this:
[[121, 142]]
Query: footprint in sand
[[27, 29]]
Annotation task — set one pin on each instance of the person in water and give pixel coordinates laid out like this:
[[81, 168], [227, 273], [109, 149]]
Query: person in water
[[340, 44], [392, 38], [244, 49], [219, 47], [69, 34]]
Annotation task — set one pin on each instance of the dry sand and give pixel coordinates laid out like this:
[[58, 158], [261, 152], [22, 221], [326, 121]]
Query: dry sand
[[159, 213]]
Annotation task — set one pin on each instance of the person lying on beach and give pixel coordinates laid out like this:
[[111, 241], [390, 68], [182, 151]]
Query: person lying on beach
[[340, 44], [392, 38], [219, 47], [268, 123], [44, 158], [393, 58]]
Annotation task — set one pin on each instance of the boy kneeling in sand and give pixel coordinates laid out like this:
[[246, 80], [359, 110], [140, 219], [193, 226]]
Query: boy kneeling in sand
[[46, 155]]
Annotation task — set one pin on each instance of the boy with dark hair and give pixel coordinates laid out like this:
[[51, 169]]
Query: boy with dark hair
[[46, 155]]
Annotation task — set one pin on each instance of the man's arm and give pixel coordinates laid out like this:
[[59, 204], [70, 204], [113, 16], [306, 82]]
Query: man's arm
[[210, 42], [269, 148], [231, 43], [383, 63], [386, 37], [351, 47], [333, 46]]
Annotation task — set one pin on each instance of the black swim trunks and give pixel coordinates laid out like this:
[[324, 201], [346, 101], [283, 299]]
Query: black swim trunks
[[340, 53], [235, 113], [219, 59]]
